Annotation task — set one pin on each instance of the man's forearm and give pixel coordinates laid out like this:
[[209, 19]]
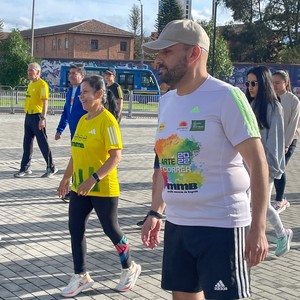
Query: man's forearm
[[45, 108], [158, 204], [120, 105], [259, 180]]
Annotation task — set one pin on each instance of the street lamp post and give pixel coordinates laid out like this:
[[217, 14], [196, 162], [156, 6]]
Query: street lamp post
[[142, 34], [214, 19], [32, 28]]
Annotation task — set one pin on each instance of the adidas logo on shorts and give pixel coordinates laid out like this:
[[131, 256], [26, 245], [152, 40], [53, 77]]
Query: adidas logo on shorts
[[220, 286]]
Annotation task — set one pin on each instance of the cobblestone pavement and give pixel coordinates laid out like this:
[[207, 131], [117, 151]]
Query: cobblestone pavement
[[35, 258]]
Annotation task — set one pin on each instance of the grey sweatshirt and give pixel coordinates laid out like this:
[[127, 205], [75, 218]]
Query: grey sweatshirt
[[291, 110], [273, 140]]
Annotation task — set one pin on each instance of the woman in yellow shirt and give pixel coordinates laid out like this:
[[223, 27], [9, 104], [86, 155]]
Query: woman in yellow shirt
[[96, 151]]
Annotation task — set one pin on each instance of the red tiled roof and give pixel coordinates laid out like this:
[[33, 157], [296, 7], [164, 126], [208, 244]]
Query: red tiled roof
[[87, 27], [4, 35]]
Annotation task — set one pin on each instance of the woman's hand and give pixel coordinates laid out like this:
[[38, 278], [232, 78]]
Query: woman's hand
[[86, 186], [63, 188]]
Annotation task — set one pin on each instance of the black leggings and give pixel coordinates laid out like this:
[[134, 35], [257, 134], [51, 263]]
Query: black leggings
[[106, 209], [280, 183]]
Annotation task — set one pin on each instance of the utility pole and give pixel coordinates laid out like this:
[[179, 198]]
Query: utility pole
[[214, 19], [32, 28], [142, 34]]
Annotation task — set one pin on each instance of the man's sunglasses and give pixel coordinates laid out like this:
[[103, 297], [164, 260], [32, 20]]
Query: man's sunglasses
[[252, 83]]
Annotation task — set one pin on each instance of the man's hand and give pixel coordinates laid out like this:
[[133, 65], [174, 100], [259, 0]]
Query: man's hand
[[57, 136], [150, 232], [42, 124], [256, 248]]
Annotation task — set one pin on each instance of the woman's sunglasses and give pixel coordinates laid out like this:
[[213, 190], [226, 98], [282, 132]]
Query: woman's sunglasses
[[252, 83]]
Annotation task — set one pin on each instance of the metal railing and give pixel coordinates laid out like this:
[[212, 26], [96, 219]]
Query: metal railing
[[12, 101]]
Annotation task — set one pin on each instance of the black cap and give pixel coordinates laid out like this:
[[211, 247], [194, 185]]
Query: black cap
[[111, 71]]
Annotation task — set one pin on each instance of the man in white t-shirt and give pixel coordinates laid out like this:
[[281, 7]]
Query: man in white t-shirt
[[206, 131]]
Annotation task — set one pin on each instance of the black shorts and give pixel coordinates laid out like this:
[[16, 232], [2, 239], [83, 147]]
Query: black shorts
[[208, 259], [156, 162]]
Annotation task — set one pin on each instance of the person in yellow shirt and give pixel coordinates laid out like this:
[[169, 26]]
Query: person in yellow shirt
[[96, 151], [36, 106]]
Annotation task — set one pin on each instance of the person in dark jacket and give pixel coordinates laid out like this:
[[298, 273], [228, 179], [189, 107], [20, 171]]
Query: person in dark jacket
[[73, 110]]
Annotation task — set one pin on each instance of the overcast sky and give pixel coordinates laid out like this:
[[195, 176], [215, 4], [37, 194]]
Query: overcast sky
[[18, 13]]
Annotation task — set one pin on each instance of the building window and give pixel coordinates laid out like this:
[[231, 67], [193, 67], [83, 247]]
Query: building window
[[37, 46], [94, 45], [53, 44], [66, 44], [123, 46], [59, 44]]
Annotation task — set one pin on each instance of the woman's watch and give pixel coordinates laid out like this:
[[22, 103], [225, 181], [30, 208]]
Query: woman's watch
[[96, 177]]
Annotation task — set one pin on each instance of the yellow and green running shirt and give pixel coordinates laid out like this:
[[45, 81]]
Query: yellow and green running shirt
[[92, 141], [36, 92]]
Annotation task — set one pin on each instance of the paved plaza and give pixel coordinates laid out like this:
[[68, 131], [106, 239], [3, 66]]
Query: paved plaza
[[35, 255]]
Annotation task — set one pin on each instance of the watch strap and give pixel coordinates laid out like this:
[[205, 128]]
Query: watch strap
[[155, 214], [96, 177]]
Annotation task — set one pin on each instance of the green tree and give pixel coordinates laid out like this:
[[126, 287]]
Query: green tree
[[289, 55], [268, 26], [134, 21], [134, 25], [283, 16], [169, 10], [15, 58], [223, 67]]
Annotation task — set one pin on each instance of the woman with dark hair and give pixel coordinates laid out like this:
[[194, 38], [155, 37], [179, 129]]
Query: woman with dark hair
[[291, 115], [96, 151], [269, 115]]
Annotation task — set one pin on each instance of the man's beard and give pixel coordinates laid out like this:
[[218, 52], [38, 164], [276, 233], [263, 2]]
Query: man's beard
[[172, 76]]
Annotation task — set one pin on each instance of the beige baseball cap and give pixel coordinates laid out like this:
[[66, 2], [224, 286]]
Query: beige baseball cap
[[179, 31]]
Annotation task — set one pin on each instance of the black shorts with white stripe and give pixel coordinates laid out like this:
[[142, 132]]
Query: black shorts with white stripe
[[208, 259]]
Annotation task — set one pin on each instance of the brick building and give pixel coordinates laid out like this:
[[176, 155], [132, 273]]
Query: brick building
[[88, 39]]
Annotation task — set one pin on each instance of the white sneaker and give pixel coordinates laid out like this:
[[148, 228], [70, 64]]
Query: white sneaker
[[128, 278], [283, 243], [23, 173], [77, 284], [281, 206], [50, 173]]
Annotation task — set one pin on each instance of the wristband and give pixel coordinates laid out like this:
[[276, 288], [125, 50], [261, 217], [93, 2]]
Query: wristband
[[96, 177], [42, 118], [155, 214]]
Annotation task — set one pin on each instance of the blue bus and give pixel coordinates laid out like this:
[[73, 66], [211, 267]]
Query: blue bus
[[140, 81]]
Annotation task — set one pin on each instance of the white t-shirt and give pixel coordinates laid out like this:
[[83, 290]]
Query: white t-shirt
[[205, 181]]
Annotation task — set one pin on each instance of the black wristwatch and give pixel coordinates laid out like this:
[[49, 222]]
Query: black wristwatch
[[42, 118], [155, 214], [96, 177]]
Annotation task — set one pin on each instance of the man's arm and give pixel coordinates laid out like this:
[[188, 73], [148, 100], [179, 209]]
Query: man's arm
[[253, 154], [62, 123], [42, 122], [119, 96], [120, 107], [151, 228]]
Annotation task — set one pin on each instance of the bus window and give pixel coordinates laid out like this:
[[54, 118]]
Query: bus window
[[126, 81], [147, 80], [92, 72]]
